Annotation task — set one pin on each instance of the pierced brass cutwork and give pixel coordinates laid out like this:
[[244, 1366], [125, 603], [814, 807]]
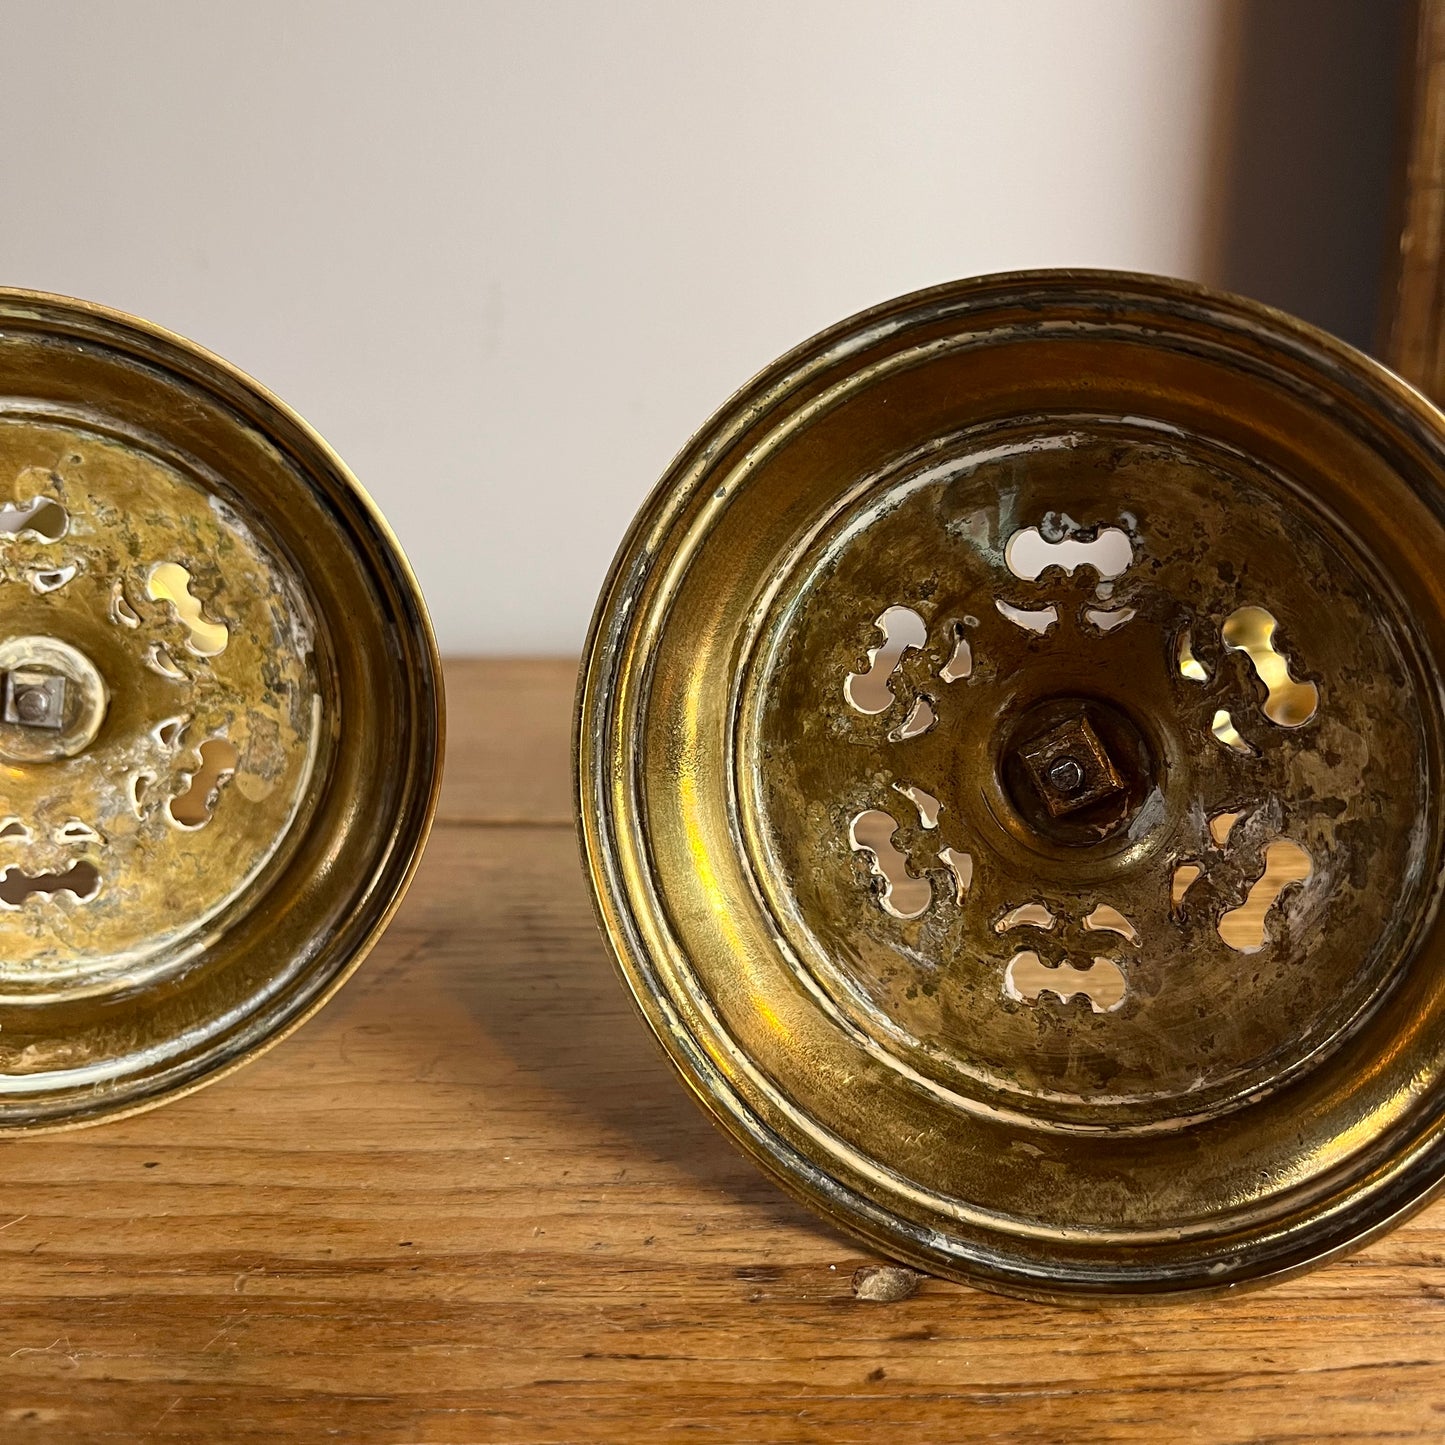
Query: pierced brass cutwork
[[1009, 763], [220, 733]]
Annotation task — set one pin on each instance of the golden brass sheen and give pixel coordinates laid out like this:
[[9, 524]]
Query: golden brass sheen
[[221, 742], [1009, 775]]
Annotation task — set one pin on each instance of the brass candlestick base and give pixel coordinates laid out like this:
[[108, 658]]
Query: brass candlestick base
[[1009, 772], [220, 716]]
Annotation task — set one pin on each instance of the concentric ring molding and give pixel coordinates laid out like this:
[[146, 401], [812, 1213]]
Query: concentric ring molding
[[304, 656], [1028, 1143]]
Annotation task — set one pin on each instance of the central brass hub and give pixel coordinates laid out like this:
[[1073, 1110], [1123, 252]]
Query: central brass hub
[[1076, 769], [53, 701], [1070, 767], [35, 699]]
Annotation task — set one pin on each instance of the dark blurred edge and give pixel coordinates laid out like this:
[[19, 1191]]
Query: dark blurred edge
[[1413, 325], [1308, 136]]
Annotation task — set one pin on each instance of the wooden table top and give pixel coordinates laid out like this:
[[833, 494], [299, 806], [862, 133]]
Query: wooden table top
[[470, 1202]]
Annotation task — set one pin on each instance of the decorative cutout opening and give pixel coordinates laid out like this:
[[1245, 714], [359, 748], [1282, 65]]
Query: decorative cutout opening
[[928, 806], [1189, 665], [1101, 984], [1035, 915], [1028, 554], [872, 691], [902, 895], [121, 612], [1224, 729], [1285, 864], [918, 722], [52, 579], [1107, 919], [1031, 619], [159, 660], [960, 864], [1222, 825], [960, 662], [75, 831], [140, 785], [171, 732], [13, 830], [42, 517], [196, 806], [80, 880], [170, 582], [1251, 630], [1107, 619], [1185, 875]]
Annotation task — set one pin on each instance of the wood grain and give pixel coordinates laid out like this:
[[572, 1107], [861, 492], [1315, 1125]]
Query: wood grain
[[509, 759], [469, 1202]]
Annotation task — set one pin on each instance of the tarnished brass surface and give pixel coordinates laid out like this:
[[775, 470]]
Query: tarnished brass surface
[[221, 740], [1009, 751]]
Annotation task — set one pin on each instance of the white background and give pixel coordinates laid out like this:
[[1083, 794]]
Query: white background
[[507, 257]]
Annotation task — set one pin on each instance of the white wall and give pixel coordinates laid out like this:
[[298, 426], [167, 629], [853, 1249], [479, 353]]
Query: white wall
[[506, 257]]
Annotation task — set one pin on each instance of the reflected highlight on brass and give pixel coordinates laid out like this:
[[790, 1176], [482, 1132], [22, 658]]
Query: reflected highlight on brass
[[220, 716], [989, 863]]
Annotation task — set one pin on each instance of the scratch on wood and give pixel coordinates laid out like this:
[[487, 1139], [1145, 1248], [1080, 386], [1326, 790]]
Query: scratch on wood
[[67, 1353]]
